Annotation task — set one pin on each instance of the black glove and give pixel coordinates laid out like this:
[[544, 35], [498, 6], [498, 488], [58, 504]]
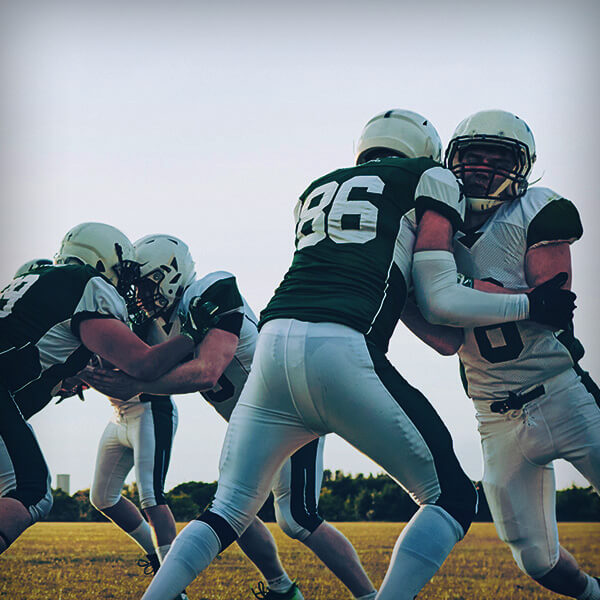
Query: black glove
[[72, 386], [550, 305], [199, 319]]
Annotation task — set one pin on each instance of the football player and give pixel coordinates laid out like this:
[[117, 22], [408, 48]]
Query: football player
[[531, 404], [320, 362], [218, 370], [52, 319]]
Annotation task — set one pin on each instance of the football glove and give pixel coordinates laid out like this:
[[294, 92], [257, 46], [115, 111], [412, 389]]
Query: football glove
[[551, 305], [199, 319], [71, 386]]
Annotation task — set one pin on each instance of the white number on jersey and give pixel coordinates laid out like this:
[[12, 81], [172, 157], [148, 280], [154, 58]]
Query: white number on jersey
[[342, 206], [13, 291]]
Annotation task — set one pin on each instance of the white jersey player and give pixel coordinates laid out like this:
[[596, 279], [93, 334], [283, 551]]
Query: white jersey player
[[531, 405], [141, 432], [219, 371], [320, 363]]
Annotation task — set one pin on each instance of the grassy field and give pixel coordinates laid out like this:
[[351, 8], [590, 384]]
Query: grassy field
[[94, 561]]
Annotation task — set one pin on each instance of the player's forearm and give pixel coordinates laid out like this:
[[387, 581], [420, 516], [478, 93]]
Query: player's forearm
[[445, 302], [184, 379], [493, 288], [443, 339], [159, 359]]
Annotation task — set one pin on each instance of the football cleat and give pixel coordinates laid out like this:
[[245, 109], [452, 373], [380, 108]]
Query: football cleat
[[264, 593], [150, 564]]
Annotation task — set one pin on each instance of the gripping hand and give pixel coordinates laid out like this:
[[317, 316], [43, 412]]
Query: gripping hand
[[71, 386], [199, 319], [551, 305]]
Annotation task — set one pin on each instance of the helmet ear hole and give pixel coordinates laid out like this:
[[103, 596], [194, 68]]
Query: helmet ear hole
[[99, 266]]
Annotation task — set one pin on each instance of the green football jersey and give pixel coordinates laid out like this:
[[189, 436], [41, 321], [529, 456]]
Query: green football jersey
[[353, 249], [40, 314]]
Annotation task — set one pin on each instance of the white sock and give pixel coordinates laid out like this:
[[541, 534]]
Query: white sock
[[592, 590], [142, 535], [161, 552], [191, 552], [369, 596], [280, 584], [419, 552]]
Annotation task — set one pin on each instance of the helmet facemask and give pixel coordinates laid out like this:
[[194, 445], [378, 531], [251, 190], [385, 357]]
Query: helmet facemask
[[128, 272], [492, 152], [148, 302], [166, 270]]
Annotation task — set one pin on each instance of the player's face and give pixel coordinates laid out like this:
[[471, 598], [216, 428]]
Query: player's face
[[485, 169], [148, 299]]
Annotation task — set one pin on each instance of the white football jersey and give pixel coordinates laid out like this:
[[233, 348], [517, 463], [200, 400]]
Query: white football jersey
[[223, 285], [513, 356]]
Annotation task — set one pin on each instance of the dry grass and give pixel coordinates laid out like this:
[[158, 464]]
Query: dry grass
[[94, 561]]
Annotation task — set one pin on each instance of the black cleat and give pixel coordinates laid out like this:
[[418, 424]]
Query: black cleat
[[264, 593], [150, 564]]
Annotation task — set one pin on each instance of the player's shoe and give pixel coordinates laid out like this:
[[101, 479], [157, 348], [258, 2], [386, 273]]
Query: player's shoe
[[150, 564], [264, 593]]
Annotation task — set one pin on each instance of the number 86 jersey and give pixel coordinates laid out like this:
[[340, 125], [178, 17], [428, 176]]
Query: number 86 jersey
[[353, 249], [513, 356]]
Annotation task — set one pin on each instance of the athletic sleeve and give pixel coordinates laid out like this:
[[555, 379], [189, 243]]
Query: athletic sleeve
[[557, 221], [100, 300], [443, 301]]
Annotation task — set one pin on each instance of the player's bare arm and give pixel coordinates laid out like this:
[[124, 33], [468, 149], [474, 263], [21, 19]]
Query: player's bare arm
[[444, 340], [199, 374], [113, 340], [544, 261]]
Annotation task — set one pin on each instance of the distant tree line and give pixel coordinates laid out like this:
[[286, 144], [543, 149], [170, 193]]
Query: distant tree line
[[343, 498]]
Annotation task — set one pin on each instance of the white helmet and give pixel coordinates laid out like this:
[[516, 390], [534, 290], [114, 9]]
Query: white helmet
[[496, 129], [166, 270], [106, 249], [30, 265], [403, 131]]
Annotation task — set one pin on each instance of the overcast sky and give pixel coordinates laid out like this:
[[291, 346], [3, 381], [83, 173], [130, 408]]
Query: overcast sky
[[207, 121]]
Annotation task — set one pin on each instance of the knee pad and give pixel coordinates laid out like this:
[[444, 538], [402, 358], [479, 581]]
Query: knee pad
[[296, 526], [534, 559], [290, 527], [101, 501]]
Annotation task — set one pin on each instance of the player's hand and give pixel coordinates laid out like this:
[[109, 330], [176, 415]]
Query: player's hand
[[551, 305], [199, 319], [115, 384], [71, 386]]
